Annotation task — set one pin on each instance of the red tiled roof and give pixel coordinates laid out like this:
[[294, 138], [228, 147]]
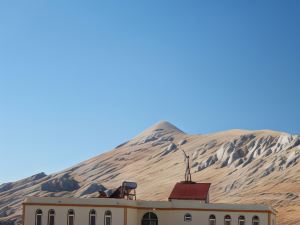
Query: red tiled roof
[[190, 191]]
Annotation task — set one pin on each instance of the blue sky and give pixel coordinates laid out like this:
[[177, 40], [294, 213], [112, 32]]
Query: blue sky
[[80, 77]]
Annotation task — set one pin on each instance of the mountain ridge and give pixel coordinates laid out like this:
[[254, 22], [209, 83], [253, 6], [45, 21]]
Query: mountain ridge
[[239, 164]]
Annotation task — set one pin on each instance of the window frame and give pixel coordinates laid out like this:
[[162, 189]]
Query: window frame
[[39, 212], [188, 217], [150, 217], [227, 218], [242, 218], [71, 213], [51, 212], [255, 220], [108, 214], [92, 213], [211, 218]]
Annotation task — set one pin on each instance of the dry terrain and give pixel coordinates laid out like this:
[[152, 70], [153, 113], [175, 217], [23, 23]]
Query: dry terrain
[[243, 167]]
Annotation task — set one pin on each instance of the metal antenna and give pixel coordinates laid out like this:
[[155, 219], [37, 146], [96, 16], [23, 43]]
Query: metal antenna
[[187, 175]]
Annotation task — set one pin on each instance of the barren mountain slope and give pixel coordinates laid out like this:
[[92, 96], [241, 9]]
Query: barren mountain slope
[[243, 167]]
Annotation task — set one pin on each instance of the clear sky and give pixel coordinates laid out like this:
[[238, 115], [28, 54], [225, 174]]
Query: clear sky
[[78, 78]]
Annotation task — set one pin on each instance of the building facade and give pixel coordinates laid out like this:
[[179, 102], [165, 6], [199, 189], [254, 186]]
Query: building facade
[[109, 211]]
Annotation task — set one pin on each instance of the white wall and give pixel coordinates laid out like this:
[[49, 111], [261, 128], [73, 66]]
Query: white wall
[[176, 217], [81, 215], [134, 216]]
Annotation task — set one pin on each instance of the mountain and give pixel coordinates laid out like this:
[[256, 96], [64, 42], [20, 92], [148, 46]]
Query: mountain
[[243, 167]]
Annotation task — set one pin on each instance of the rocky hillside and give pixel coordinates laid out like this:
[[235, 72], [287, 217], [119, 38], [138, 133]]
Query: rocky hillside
[[243, 167]]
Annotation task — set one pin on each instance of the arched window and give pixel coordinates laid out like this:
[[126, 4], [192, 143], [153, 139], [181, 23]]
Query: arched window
[[255, 220], [242, 220], [51, 217], [227, 220], [149, 218], [107, 218], [212, 220], [92, 218], [38, 217], [71, 216], [187, 217]]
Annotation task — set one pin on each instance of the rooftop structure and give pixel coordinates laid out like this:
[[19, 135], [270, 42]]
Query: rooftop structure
[[190, 191]]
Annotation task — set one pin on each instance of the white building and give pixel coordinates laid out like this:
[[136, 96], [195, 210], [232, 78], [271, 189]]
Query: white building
[[188, 204]]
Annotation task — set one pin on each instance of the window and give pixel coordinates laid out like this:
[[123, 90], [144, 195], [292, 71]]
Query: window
[[38, 217], [255, 220], [92, 217], [227, 220], [187, 217], [71, 216], [107, 218], [150, 218], [212, 220], [51, 217], [242, 220]]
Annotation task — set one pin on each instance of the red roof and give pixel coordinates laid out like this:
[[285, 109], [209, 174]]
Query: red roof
[[190, 191]]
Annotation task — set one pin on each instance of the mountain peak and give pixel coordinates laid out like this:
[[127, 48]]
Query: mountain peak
[[165, 126]]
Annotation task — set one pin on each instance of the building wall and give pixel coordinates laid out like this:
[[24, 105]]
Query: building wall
[[81, 215], [176, 217], [134, 216], [273, 219]]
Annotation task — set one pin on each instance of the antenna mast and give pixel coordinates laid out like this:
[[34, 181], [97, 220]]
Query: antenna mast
[[187, 175]]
